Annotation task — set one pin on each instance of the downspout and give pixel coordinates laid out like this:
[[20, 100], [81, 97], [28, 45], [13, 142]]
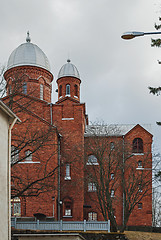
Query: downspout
[[9, 176], [51, 114], [59, 142], [123, 191]]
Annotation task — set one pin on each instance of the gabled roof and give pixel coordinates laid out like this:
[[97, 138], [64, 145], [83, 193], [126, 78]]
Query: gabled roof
[[113, 129], [8, 111]]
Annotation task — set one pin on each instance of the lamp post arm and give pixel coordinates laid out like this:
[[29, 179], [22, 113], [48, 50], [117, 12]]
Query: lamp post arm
[[131, 35]]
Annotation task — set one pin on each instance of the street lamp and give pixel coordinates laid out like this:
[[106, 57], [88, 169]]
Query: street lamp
[[131, 35]]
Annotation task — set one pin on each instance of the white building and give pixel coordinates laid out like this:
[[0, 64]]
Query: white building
[[7, 120]]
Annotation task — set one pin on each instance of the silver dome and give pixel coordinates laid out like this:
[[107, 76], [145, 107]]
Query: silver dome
[[28, 54], [68, 69]]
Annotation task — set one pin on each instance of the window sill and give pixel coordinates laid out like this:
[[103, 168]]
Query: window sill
[[67, 216], [67, 178], [139, 168], [135, 154], [92, 163], [27, 162]]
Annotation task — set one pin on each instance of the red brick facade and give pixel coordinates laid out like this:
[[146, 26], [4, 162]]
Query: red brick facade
[[68, 195]]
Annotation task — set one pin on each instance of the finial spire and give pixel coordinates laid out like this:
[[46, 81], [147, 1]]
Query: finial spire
[[68, 60], [28, 39]]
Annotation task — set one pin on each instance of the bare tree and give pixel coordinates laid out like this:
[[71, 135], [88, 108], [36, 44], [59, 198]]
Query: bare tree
[[120, 185], [32, 138], [156, 208]]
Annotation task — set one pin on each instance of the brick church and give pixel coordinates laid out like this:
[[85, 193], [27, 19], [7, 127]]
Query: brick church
[[63, 167]]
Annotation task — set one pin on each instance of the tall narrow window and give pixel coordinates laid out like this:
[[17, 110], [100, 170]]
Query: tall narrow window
[[41, 92], [76, 90], [68, 89], [14, 154], [16, 207], [67, 172], [137, 145], [112, 193], [28, 156], [60, 90], [24, 88], [67, 207]]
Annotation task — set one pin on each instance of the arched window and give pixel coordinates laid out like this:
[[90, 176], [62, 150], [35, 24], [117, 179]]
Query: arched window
[[92, 160], [68, 89], [16, 207], [137, 145], [24, 88], [92, 216], [75, 90], [60, 90]]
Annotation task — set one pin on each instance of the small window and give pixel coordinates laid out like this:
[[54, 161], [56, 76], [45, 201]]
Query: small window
[[92, 187], [140, 165], [112, 193], [92, 160], [16, 207], [24, 88], [137, 145], [41, 92], [76, 90], [140, 205], [68, 89], [112, 176], [67, 207], [112, 146], [60, 91], [10, 89], [140, 188], [67, 172], [14, 154], [92, 216], [28, 155]]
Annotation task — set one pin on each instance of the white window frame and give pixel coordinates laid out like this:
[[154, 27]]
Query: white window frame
[[92, 160], [67, 172], [68, 212], [24, 88], [92, 216], [41, 92], [112, 193], [15, 157], [28, 156], [112, 176], [67, 90], [16, 207], [92, 187]]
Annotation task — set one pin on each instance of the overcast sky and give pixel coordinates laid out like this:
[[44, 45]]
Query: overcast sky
[[115, 73]]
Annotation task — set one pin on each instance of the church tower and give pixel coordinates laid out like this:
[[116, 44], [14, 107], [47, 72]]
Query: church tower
[[28, 72], [69, 82]]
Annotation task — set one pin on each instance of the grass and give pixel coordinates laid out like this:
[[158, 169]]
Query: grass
[[142, 235]]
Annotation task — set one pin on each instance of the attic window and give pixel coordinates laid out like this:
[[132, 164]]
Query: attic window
[[137, 145]]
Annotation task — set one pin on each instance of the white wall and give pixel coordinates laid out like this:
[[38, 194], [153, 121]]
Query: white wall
[[4, 197]]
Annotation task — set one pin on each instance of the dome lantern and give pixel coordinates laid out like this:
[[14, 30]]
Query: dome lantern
[[28, 54]]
